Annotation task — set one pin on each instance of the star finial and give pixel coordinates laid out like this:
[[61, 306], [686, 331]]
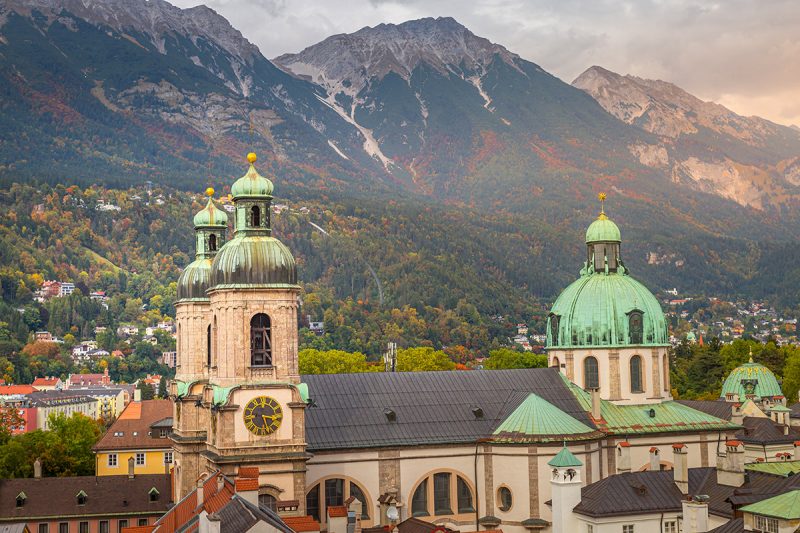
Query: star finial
[[602, 198]]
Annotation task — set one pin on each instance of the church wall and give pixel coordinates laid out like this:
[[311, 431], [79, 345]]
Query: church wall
[[192, 319]]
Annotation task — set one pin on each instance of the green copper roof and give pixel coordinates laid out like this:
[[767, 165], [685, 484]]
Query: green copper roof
[[751, 378], [249, 260], [542, 421], [564, 459], [779, 409], [602, 230], [252, 183], [780, 468], [211, 216], [195, 280], [595, 311], [635, 419], [786, 506]]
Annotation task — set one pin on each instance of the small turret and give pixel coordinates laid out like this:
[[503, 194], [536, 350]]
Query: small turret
[[210, 227], [565, 483]]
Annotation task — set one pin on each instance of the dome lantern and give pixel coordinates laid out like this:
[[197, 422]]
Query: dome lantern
[[253, 258], [210, 226]]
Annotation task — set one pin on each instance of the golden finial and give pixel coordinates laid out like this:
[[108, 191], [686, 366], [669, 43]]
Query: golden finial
[[602, 198], [210, 192], [751, 354], [251, 157]]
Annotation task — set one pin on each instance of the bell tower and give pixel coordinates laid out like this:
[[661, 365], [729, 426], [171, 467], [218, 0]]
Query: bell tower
[[252, 404]]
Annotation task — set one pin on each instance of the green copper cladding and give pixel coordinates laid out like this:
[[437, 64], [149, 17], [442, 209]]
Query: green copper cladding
[[210, 215], [751, 379], [786, 507], [605, 306], [194, 280], [253, 260], [252, 184], [564, 459], [602, 230], [538, 420]]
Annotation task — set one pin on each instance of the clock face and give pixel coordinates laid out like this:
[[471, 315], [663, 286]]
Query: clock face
[[262, 415]]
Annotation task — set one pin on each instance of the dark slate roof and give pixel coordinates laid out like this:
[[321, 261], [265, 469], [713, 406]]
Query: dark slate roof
[[348, 410], [795, 410], [734, 526], [239, 516], [764, 431], [105, 496], [718, 408], [655, 492]]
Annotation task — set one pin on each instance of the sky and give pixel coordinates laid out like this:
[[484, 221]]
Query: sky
[[744, 54]]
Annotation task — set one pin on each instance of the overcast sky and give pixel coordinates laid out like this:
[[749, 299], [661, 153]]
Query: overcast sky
[[742, 54]]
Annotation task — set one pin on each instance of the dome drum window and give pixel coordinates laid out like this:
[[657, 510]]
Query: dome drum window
[[591, 373], [636, 374], [504, 499]]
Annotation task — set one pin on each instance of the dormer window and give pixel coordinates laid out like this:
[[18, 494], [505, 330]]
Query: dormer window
[[21, 499], [635, 327], [82, 497], [554, 330], [154, 494]]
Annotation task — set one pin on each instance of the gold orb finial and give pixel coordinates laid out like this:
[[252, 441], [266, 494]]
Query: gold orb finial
[[252, 157], [210, 192], [602, 198]]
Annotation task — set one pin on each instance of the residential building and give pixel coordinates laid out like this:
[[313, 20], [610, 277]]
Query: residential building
[[127, 330], [85, 504], [169, 358], [76, 381], [138, 434], [111, 401], [66, 288], [48, 383], [27, 413], [44, 336], [15, 390], [64, 402]]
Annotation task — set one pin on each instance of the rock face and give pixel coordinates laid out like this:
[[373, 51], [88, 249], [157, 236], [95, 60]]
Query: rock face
[[706, 145]]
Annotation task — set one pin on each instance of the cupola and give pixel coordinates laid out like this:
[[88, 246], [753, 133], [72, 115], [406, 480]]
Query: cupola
[[210, 226]]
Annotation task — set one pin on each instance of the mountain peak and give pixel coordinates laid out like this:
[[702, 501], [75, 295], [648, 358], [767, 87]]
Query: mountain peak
[[346, 62]]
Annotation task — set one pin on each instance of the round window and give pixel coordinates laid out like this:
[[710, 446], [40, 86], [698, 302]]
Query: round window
[[504, 499]]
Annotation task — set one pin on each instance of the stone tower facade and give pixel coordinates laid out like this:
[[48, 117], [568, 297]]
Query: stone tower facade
[[237, 393]]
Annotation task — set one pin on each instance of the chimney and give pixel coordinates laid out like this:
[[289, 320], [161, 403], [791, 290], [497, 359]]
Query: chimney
[[37, 468], [199, 486], [680, 470], [695, 515], [730, 467], [655, 459], [137, 395], [247, 488], [736, 414], [130, 467], [209, 523], [354, 509], [596, 411], [623, 457], [796, 450]]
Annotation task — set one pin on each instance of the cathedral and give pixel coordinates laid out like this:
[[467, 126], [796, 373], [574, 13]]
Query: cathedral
[[469, 451]]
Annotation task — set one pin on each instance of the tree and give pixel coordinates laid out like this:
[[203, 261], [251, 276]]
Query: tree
[[422, 359], [504, 358], [77, 435], [145, 389], [791, 374], [41, 348], [333, 362], [162, 387], [9, 418]]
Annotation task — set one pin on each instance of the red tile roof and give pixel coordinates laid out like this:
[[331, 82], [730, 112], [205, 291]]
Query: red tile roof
[[132, 429], [138, 529], [45, 382], [246, 484], [16, 389], [301, 524], [625, 444], [337, 511]]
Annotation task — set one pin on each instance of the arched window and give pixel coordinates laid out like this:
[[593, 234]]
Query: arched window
[[208, 345], [268, 501], [255, 216], [636, 374], [504, 499], [260, 340], [336, 492], [556, 363], [591, 373], [437, 493], [212, 243], [635, 327], [554, 330]]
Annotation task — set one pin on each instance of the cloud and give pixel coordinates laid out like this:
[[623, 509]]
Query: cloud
[[742, 53]]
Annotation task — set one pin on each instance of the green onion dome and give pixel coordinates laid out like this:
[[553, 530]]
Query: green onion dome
[[603, 230], [252, 184], [195, 280], [751, 379], [600, 309], [253, 261], [210, 215]]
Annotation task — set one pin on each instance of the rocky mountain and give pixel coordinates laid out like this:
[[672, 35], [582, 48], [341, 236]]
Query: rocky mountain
[[748, 159], [157, 89]]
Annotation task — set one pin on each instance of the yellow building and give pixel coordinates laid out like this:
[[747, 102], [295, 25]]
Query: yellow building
[[138, 440]]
